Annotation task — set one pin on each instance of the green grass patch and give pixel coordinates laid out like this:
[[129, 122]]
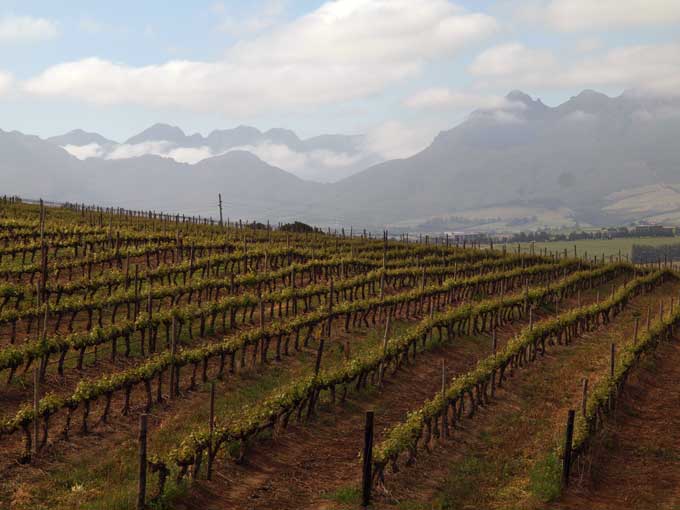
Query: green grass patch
[[345, 496], [545, 478]]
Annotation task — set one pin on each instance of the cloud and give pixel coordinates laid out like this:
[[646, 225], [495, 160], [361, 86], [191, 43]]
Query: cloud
[[126, 150], [91, 150], [448, 98], [340, 51], [653, 68], [317, 165], [511, 59], [577, 15], [580, 116], [160, 148], [189, 155], [26, 29], [588, 44], [394, 140], [6, 80]]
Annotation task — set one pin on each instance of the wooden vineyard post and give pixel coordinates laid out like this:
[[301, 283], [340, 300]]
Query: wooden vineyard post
[[635, 333], [141, 488], [330, 309], [566, 461], [219, 197], [649, 315], [368, 461], [445, 420], [173, 350], [152, 343], [612, 361], [319, 354], [584, 398], [36, 395], [381, 371], [494, 341], [212, 429]]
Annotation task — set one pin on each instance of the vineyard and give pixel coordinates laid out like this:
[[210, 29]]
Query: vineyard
[[150, 360]]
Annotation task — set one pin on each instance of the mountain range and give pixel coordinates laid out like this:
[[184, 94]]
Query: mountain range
[[592, 160], [324, 158]]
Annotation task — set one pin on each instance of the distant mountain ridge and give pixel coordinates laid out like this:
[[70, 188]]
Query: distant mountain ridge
[[80, 137], [533, 164], [324, 158], [222, 139], [570, 155]]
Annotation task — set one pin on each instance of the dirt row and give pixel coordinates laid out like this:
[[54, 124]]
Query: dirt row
[[635, 462], [314, 465], [504, 457]]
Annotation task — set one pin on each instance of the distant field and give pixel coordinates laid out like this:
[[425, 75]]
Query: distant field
[[601, 246]]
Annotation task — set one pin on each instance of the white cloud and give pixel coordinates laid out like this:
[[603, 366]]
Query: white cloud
[[588, 44], [511, 59], [317, 165], [448, 98], [579, 116], [26, 29], [341, 51], [576, 15], [393, 140], [161, 148], [189, 155], [6, 80], [126, 151], [648, 67], [91, 150]]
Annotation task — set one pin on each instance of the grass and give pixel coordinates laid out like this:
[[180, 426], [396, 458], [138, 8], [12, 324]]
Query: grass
[[345, 496], [608, 247], [545, 478]]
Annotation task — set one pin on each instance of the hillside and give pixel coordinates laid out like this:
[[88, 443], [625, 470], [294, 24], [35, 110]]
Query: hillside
[[572, 155]]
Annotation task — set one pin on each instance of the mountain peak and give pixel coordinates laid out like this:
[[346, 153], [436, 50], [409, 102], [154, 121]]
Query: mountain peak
[[588, 101], [158, 132], [79, 137], [517, 96]]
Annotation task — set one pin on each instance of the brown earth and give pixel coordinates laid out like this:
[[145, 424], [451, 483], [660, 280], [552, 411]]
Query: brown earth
[[635, 463]]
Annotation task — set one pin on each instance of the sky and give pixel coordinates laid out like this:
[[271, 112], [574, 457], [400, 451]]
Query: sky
[[398, 70]]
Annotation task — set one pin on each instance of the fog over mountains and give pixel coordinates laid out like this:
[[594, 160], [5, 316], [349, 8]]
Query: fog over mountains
[[325, 158], [591, 160]]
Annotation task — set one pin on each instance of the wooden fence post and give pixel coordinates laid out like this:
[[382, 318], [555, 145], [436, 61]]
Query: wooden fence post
[[212, 428], [319, 354], [566, 461], [584, 399], [612, 361], [36, 395], [368, 460], [141, 489], [173, 350]]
